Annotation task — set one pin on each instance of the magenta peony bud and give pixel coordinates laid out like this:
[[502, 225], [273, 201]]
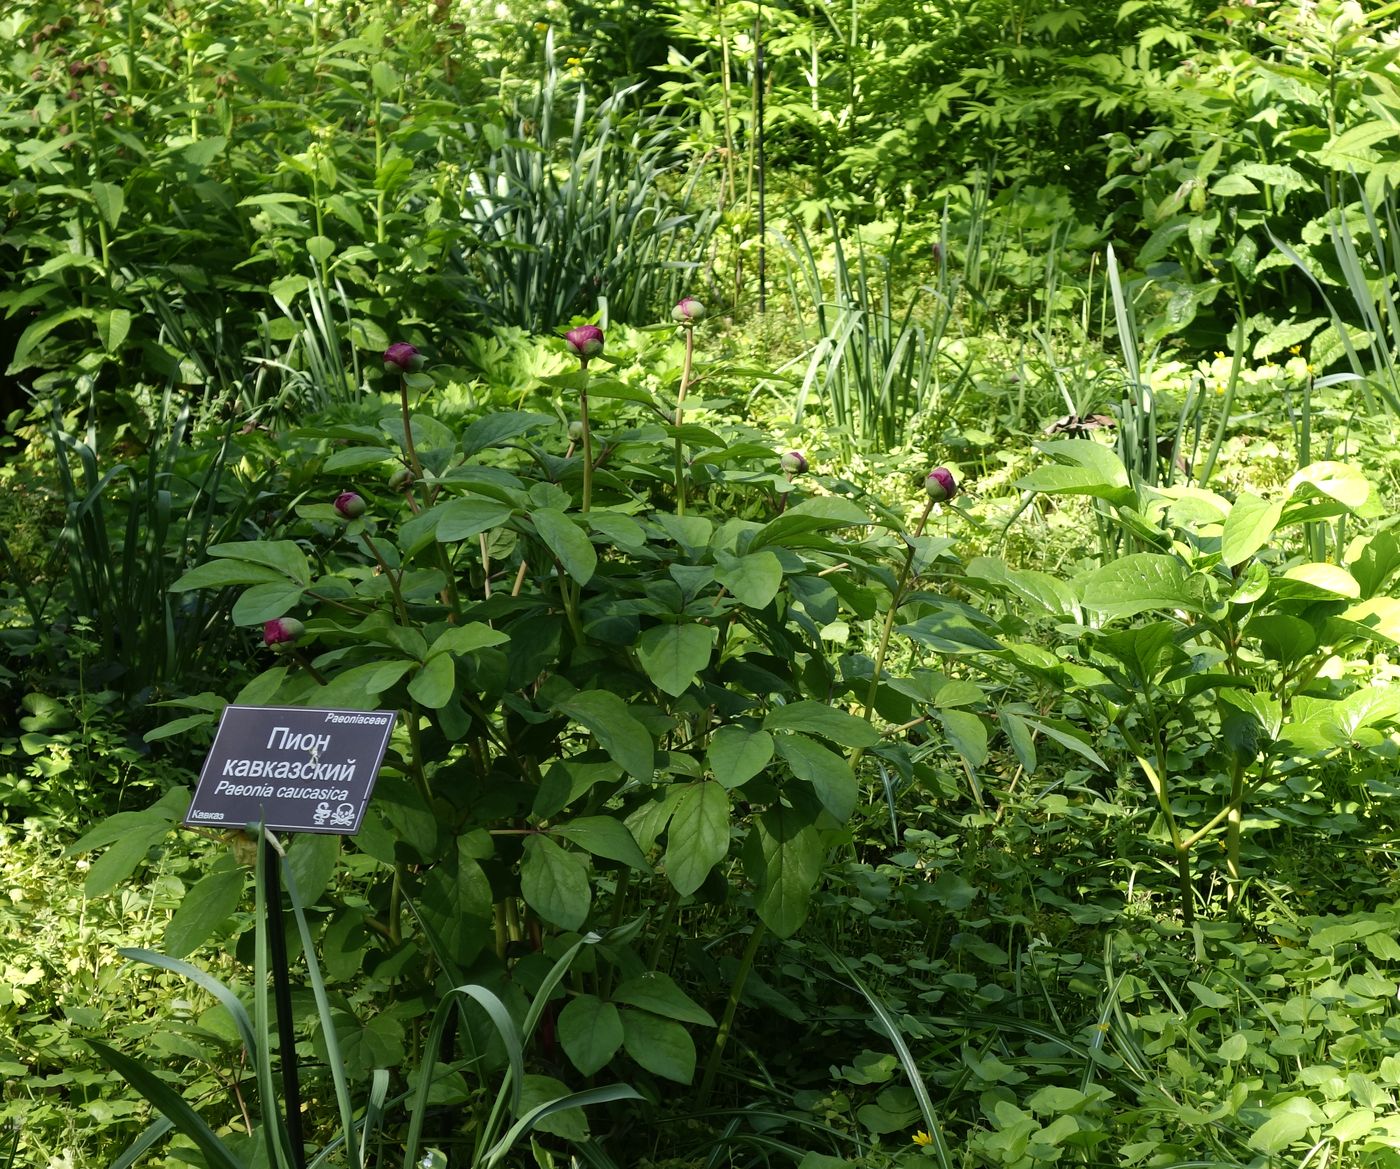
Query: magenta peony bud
[[795, 463], [401, 357], [282, 632], [940, 484], [350, 505], [688, 311], [584, 342]]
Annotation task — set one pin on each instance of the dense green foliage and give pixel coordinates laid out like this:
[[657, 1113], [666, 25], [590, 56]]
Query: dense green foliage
[[755, 796]]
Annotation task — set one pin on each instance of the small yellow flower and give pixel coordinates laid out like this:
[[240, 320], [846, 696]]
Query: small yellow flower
[[1220, 355], [1295, 350], [922, 1138]]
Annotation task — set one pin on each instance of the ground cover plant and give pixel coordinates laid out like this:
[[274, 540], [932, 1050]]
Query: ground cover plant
[[885, 569]]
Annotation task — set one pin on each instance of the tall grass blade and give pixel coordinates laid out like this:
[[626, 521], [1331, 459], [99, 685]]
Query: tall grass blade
[[890, 1025]]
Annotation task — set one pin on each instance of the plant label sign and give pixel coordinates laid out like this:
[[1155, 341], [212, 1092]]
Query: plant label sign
[[292, 768]]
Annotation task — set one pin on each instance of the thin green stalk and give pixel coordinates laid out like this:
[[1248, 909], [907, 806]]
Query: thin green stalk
[[890, 615], [408, 431], [731, 1007], [587, 441], [680, 415], [1181, 847]]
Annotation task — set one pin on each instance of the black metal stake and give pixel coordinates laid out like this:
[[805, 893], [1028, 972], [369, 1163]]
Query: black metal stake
[[282, 996]]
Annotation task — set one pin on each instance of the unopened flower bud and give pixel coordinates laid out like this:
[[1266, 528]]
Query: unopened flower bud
[[688, 311], [584, 342], [282, 632], [401, 480], [401, 357], [795, 463], [940, 484], [350, 505], [576, 431]]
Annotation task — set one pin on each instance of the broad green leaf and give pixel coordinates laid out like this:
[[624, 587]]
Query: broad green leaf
[[672, 655], [824, 513], [752, 580], [618, 732], [468, 638], [263, 602], [698, 838], [818, 718], [1340, 481], [1329, 577], [384, 77], [1248, 527], [603, 836], [658, 993], [501, 427], [284, 555], [1140, 583], [563, 537], [968, 735], [310, 864], [455, 904], [736, 755], [1018, 734], [35, 333], [112, 328], [209, 903], [1208, 996], [1279, 1131], [1379, 616], [111, 202], [1234, 1048], [590, 1032], [829, 774], [217, 574], [783, 856], [433, 685], [461, 519], [554, 883], [661, 1046]]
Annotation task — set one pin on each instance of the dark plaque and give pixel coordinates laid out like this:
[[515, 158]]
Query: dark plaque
[[292, 768]]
